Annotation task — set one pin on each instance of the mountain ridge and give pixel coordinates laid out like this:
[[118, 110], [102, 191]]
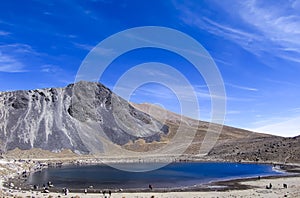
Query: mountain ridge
[[86, 117]]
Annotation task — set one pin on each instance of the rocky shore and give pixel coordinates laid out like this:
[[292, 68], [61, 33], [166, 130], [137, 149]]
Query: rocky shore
[[15, 172]]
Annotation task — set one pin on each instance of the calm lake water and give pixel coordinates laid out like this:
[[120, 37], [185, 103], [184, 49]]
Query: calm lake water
[[173, 175]]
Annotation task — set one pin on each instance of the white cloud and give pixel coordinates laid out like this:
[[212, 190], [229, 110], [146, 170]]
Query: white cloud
[[296, 4], [12, 57], [18, 48], [47, 13], [68, 36], [242, 38], [96, 50], [230, 112], [233, 33], [285, 83], [296, 110], [276, 23], [83, 46], [274, 27], [4, 33], [287, 128], [50, 68], [10, 64], [242, 87]]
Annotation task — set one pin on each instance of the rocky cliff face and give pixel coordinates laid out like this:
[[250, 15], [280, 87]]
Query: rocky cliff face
[[70, 118]]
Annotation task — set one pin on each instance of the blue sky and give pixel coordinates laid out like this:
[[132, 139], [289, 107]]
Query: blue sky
[[255, 45]]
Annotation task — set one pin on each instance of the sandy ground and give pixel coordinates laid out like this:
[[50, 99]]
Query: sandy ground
[[257, 188]]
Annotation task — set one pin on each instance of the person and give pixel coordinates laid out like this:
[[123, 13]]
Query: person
[[66, 191], [49, 183], [85, 191], [285, 186], [269, 186], [46, 190], [150, 187], [109, 192]]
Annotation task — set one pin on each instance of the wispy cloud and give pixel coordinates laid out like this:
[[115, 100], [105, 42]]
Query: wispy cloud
[[97, 50], [67, 36], [295, 110], [6, 23], [241, 87], [177, 43], [284, 83], [50, 68], [18, 48], [4, 33], [267, 27], [12, 57], [48, 13], [279, 24], [230, 112], [86, 47], [288, 127], [236, 35], [165, 78], [91, 14], [284, 123], [10, 64]]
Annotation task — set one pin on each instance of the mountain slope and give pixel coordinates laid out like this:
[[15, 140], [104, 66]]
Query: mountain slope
[[233, 144], [76, 117], [224, 133]]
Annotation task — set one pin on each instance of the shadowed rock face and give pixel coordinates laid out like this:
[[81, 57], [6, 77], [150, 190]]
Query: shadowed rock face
[[67, 118]]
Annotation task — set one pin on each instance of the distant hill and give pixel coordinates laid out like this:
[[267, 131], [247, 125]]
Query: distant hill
[[233, 144]]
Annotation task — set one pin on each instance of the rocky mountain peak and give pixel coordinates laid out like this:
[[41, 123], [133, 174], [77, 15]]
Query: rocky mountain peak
[[66, 118]]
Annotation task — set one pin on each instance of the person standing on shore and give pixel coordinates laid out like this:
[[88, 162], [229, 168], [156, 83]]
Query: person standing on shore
[[150, 187], [66, 191]]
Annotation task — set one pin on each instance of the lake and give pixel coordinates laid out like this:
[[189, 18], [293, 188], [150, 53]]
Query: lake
[[171, 176]]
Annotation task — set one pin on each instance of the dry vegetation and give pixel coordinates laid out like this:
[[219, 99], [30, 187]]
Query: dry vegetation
[[233, 144], [37, 153]]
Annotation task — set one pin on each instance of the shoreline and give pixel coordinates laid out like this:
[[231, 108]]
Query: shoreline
[[222, 186], [250, 188]]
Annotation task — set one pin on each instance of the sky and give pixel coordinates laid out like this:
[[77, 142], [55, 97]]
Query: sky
[[254, 44]]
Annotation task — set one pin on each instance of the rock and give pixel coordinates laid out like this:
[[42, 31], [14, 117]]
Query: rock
[[67, 118]]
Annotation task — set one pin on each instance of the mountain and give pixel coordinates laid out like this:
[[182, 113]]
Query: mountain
[[79, 117], [262, 149], [223, 133], [87, 118], [233, 144]]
